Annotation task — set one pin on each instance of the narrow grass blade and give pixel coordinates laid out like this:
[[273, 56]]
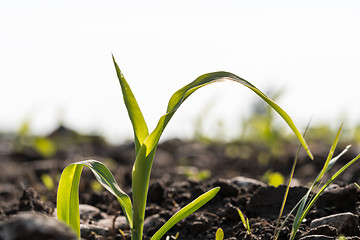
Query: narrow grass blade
[[137, 119], [68, 192], [243, 220], [330, 155], [185, 211], [335, 159]]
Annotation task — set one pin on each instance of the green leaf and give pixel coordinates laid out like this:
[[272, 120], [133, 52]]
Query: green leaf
[[68, 192], [137, 119], [68, 197], [185, 211], [182, 94]]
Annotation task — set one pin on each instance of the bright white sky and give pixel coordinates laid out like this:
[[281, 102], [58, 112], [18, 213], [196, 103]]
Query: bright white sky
[[55, 61]]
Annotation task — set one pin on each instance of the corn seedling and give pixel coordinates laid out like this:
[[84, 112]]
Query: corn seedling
[[145, 147], [219, 235]]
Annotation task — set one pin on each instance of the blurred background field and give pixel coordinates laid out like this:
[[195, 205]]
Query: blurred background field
[[56, 65]]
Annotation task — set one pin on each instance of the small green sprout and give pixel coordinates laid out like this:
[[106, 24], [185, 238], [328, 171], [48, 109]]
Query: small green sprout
[[173, 237], [245, 222], [219, 234], [145, 147]]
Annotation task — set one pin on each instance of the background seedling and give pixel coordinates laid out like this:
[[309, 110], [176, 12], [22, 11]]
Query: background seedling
[[219, 234], [245, 222], [145, 147], [316, 188], [44, 146]]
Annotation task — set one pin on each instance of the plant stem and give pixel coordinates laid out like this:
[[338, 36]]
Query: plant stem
[[136, 234]]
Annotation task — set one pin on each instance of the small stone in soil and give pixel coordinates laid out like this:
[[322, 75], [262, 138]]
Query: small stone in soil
[[30, 225], [345, 223], [120, 222], [88, 229], [322, 230], [317, 237]]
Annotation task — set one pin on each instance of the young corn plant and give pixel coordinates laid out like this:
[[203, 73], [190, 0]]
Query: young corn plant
[[145, 146]]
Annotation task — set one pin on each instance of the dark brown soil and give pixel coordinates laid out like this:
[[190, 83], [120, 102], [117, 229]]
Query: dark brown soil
[[182, 171]]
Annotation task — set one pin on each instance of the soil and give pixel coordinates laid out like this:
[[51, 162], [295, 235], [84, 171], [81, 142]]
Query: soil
[[182, 171]]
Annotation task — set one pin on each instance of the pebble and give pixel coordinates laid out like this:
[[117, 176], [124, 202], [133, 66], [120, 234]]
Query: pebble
[[88, 211], [31, 225], [345, 223], [246, 182], [87, 229], [120, 222], [317, 237], [322, 230]]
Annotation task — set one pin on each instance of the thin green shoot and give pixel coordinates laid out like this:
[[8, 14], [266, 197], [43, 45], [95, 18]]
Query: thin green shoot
[[245, 222]]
